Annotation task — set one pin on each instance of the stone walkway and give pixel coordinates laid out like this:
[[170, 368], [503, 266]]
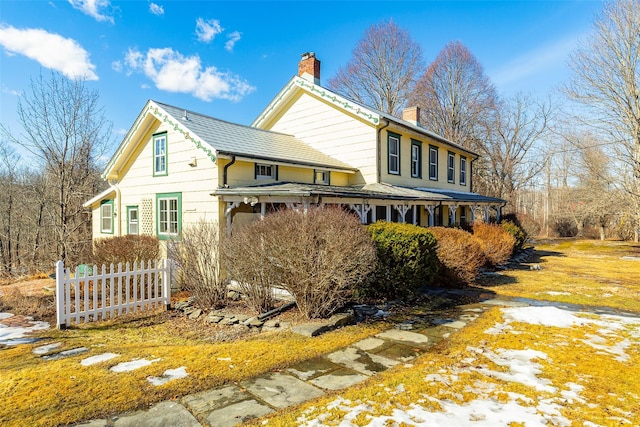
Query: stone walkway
[[233, 404]]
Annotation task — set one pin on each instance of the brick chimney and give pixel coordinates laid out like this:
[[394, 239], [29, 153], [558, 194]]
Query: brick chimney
[[309, 67], [411, 115]]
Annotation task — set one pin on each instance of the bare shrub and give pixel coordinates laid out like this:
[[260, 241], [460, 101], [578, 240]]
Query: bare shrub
[[318, 255], [196, 255], [322, 254], [248, 264], [460, 254], [129, 248], [497, 244]]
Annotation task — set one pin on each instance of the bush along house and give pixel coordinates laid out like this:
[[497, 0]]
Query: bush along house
[[308, 147]]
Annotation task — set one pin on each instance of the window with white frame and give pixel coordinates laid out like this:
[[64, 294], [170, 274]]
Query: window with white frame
[[106, 217], [160, 154], [393, 163], [265, 171], [463, 170], [433, 163], [321, 177], [451, 167], [132, 220], [416, 159], [169, 214]]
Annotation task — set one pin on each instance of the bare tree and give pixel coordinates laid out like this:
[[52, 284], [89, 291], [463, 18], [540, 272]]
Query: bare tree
[[456, 97], [508, 161], [606, 82], [382, 70], [66, 131]]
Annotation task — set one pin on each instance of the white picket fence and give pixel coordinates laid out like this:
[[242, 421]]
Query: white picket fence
[[86, 294]]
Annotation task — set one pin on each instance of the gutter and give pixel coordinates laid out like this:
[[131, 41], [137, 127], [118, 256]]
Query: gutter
[[379, 154]]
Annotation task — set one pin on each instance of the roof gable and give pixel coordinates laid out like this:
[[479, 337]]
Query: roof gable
[[217, 137]]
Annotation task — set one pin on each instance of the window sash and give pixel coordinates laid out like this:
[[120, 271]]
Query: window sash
[[451, 167], [160, 154], [168, 216], [264, 171], [106, 218], [463, 171], [416, 161], [394, 155], [433, 163], [132, 221], [321, 177]]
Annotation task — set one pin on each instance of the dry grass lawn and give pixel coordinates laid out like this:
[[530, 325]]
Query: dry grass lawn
[[588, 272]]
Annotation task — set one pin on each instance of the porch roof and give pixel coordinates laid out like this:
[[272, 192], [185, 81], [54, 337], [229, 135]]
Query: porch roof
[[379, 191]]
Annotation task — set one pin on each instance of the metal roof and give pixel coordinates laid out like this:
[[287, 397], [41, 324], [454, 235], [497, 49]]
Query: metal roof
[[369, 191], [239, 140]]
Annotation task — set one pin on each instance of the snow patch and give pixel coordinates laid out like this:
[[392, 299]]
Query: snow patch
[[12, 335], [98, 358], [133, 365], [168, 375]]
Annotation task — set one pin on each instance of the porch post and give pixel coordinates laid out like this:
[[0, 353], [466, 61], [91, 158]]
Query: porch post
[[414, 214], [263, 209], [430, 209], [402, 210], [227, 214], [373, 214], [388, 213], [486, 214], [452, 214]]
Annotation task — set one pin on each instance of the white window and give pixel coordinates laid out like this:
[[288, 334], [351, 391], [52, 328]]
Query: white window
[[416, 159], [433, 163], [463, 170], [106, 217], [132, 220], [168, 215], [451, 167], [264, 171], [160, 154], [394, 154], [321, 177]]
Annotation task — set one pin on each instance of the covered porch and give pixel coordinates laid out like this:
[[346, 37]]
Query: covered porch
[[371, 203]]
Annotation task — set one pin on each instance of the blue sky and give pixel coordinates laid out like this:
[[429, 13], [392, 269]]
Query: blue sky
[[229, 59]]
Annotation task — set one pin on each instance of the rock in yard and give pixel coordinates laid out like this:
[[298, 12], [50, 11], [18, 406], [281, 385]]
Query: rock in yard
[[195, 314]]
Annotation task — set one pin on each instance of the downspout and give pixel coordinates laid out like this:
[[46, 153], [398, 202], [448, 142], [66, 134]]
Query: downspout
[[114, 184], [379, 159], [471, 174], [224, 172]]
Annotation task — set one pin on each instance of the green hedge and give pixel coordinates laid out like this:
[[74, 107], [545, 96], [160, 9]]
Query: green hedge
[[407, 261], [517, 232]]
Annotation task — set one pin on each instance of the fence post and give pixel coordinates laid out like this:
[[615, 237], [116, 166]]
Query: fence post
[[60, 311], [166, 282]]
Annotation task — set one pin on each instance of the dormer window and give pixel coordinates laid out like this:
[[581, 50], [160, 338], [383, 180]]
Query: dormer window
[[321, 177], [266, 171]]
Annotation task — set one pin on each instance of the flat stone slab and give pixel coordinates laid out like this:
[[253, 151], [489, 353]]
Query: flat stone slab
[[94, 423], [456, 324], [164, 414], [403, 336], [369, 344], [237, 413], [66, 353], [361, 361], [312, 368], [337, 380], [204, 402], [401, 352], [281, 390], [47, 348], [504, 303], [310, 329]]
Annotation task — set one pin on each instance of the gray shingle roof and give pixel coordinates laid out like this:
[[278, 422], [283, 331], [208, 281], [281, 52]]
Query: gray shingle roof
[[234, 139]]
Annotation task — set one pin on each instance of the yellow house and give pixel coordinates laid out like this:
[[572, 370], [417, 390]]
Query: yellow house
[[309, 146]]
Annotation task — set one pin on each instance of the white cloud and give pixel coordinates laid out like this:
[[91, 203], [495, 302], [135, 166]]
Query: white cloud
[[171, 71], [231, 40], [156, 9], [51, 50], [116, 66], [207, 30], [537, 61], [11, 91], [97, 9]]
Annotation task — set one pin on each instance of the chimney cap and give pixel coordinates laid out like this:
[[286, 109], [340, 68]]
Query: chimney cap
[[307, 55]]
